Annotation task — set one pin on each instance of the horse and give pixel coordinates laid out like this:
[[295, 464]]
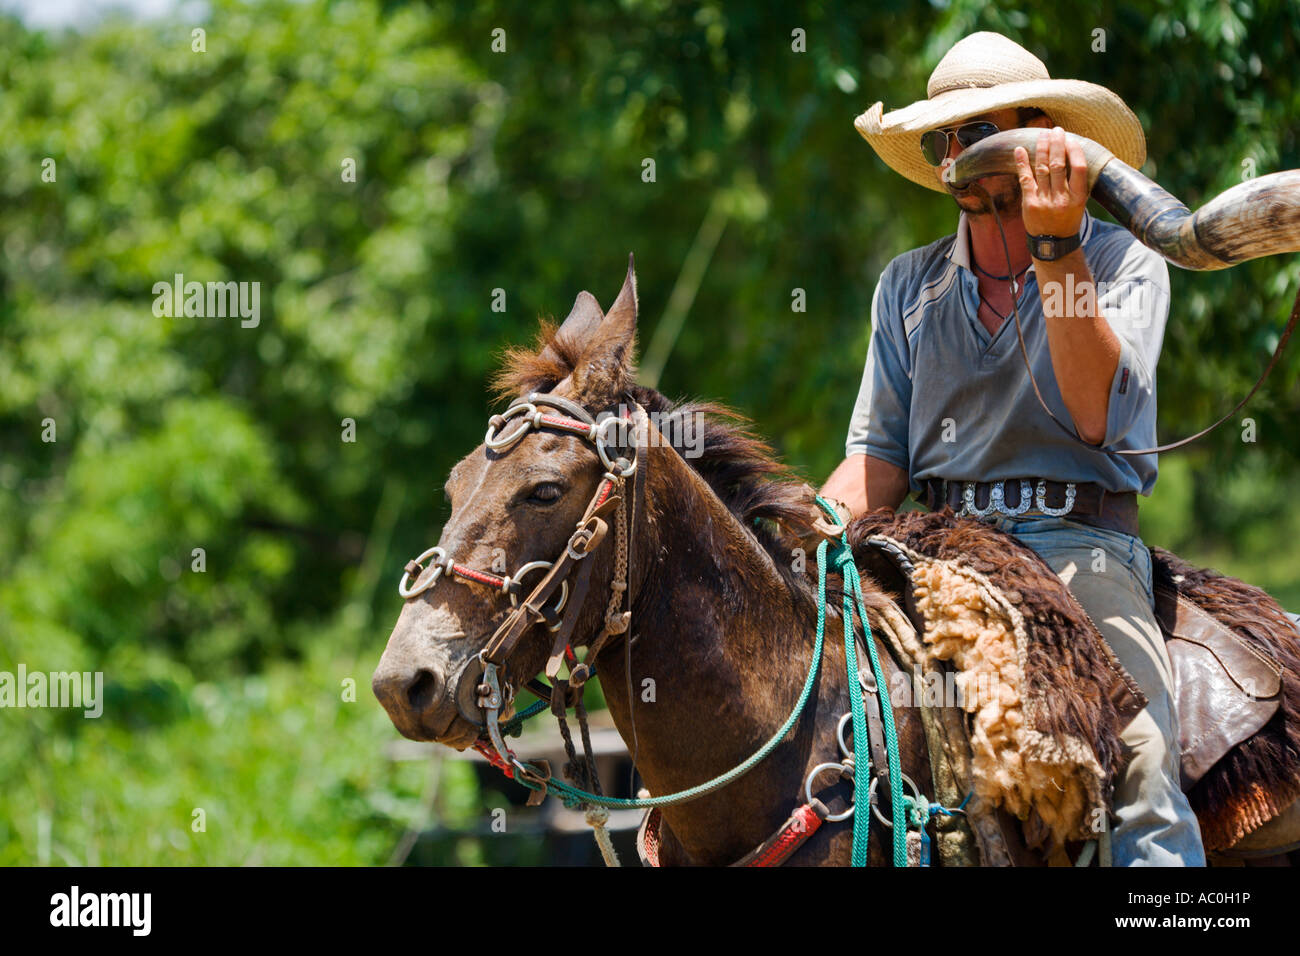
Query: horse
[[722, 619]]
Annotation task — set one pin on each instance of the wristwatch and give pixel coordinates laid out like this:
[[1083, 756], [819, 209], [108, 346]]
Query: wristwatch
[[1051, 248]]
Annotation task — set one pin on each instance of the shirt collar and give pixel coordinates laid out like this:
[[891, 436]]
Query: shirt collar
[[959, 254]]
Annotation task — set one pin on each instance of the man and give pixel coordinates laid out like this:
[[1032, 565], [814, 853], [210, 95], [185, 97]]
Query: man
[[947, 410]]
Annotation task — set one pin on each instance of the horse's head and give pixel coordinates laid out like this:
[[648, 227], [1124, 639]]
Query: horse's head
[[516, 500]]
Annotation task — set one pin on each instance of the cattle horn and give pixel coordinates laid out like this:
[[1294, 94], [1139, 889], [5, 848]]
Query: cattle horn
[[1260, 217]]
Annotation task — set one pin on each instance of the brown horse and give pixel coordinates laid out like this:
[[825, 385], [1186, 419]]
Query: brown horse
[[722, 618], [723, 625]]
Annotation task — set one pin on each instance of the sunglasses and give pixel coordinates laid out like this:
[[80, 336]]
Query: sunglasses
[[934, 144]]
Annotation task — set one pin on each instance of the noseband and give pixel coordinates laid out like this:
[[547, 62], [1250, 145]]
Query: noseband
[[485, 674]]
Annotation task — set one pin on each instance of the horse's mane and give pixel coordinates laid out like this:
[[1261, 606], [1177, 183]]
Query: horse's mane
[[765, 495]]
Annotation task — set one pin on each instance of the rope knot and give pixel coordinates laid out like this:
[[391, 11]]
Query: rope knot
[[841, 557]]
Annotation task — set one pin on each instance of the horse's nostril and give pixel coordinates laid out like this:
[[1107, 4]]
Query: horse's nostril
[[419, 693]]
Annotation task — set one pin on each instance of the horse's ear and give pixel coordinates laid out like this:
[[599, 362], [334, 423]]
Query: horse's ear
[[576, 331], [607, 364]]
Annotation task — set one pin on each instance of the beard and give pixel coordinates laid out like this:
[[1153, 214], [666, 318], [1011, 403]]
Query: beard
[[1002, 190]]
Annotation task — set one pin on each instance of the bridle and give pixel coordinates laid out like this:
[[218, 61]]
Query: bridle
[[482, 687]]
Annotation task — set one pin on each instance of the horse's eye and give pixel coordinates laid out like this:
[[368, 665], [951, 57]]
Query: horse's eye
[[546, 493]]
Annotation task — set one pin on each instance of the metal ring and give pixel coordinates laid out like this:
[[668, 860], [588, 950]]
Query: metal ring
[[494, 441], [579, 555], [611, 465], [871, 797], [519, 574], [438, 569], [807, 789], [839, 734]]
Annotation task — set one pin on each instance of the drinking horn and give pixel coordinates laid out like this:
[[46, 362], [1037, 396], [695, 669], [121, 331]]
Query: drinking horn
[[1260, 217]]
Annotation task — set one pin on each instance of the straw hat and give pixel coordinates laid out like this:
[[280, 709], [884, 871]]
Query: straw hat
[[986, 72]]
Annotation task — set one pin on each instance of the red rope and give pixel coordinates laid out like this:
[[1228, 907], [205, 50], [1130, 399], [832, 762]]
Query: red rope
[[604, 492], [568, 423], [774, 851], [494, 758], [482, 577], [802, 824]]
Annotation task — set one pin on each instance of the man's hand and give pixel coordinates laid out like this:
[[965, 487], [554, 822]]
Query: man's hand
[[1054, 191]]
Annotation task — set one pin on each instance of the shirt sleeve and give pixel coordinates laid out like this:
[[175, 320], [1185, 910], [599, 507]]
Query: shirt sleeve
[[1133, 295], [879, 426]]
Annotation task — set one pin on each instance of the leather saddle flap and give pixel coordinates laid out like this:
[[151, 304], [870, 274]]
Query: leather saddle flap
[[1225, 689]]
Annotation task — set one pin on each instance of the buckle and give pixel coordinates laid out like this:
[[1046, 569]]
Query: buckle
[[1040, 499], [968, 501], [998, 498]]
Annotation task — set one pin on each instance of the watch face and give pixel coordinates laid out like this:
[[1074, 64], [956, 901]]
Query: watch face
[[1043, 248]]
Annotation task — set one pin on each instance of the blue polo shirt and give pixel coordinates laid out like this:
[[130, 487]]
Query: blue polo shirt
[[942, 398]]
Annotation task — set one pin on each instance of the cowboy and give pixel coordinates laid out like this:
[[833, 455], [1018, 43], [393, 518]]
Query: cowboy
[[947, 410]]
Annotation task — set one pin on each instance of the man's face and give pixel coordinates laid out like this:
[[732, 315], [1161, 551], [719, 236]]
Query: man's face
[[1002, 189]]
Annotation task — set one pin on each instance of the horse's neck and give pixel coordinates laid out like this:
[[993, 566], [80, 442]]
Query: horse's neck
[[720, 653]]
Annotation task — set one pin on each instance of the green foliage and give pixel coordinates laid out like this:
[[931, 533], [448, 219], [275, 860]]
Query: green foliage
[[476, 170]]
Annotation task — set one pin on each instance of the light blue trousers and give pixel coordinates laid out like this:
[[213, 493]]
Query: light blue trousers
[[1109, 573]]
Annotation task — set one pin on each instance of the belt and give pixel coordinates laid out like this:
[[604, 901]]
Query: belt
[[1085, 502]]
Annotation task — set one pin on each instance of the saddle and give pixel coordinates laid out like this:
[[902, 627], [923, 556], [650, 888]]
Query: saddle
[[1235, 657], [1225, 688]]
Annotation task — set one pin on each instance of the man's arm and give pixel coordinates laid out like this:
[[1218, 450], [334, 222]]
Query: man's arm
[[1085, 351], [865, 483], [872, 474]]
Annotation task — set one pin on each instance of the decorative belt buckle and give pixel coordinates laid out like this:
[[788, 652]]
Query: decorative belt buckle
[[998, 498], [1040, 499], [968, 501]]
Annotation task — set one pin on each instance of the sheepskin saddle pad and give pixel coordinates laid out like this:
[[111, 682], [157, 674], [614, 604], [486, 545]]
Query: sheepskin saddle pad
[[1043, 697]]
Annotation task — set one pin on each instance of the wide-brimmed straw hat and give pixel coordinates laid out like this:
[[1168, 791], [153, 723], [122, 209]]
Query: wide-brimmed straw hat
[[986, 72]]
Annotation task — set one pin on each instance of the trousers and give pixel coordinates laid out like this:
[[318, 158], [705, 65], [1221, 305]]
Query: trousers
[[1109, 574]]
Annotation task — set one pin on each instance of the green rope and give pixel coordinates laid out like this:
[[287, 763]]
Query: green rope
[[515, 725], [861, 755], [575, 797], [843, 560]]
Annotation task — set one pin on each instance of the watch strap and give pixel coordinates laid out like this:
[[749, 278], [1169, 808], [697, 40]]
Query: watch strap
[[1051, 248]]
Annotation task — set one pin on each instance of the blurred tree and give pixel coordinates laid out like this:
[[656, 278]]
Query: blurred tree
[[381, 169]]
